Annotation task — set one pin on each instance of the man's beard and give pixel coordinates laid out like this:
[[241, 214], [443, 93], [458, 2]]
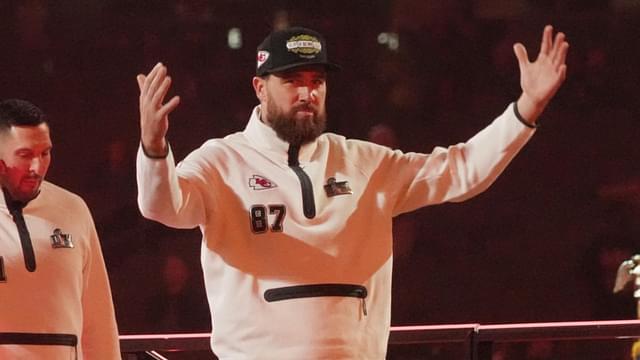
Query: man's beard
[[16, 193], [294, 130]]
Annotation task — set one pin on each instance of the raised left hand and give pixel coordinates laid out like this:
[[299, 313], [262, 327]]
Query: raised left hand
[[541, 79]]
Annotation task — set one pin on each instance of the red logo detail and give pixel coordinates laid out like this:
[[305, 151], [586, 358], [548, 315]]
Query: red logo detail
[[263, 182], [258, 182]]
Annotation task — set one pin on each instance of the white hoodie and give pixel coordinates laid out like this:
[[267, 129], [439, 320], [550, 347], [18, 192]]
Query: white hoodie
[[283, 283]]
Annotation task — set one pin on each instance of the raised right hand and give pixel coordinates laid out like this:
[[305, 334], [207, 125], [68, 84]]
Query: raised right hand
[[542, 78], [154, 115]]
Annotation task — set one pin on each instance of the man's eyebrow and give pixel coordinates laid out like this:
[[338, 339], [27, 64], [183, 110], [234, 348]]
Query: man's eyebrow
[[30, 150], [23, 151]]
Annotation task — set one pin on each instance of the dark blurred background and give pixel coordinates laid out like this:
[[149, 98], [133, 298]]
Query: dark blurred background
[[542, 244]]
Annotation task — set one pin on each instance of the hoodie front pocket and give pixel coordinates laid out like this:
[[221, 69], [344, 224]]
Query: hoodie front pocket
[[318, 290]]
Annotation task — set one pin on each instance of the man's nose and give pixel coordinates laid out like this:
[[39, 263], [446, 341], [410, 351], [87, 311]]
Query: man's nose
[[36, 165], [307, 94]]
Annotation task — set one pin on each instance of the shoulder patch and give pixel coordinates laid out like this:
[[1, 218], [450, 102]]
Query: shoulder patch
[[334, 188], [59, 240]]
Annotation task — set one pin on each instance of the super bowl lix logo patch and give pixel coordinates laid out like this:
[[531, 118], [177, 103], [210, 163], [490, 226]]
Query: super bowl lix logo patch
[[60, 240]]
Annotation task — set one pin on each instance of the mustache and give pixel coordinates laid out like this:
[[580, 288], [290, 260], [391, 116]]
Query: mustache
[[305, 107]]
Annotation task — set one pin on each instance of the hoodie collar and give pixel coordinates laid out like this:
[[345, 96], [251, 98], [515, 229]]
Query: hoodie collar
[[263, 137]]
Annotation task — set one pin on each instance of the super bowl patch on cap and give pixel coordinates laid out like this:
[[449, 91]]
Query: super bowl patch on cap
[[305, 46]]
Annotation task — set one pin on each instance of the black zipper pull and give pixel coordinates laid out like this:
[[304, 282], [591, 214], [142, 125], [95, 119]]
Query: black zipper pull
[[364, 306], [361, 292]]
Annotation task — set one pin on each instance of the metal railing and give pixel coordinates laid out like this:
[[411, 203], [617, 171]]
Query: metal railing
[[476, 340]]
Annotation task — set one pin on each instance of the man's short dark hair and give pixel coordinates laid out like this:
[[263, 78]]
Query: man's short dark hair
[[16, 112]]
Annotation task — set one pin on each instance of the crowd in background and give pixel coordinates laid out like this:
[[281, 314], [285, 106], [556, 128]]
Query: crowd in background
[[543, 244]]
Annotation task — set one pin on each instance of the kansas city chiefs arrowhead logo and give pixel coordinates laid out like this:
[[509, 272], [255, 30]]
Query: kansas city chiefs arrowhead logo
[[258, 182]]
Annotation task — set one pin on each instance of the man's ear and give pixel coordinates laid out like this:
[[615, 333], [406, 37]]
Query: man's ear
[[259, 86], [3, 167]]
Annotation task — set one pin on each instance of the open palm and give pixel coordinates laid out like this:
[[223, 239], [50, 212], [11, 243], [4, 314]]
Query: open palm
[[154, 113], [541, 79]]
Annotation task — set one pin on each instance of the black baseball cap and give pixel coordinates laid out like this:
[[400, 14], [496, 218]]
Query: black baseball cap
[[290, 48]]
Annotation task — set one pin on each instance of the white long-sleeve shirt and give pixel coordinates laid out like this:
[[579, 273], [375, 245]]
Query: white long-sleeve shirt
[[68, 293], [285, 284]]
